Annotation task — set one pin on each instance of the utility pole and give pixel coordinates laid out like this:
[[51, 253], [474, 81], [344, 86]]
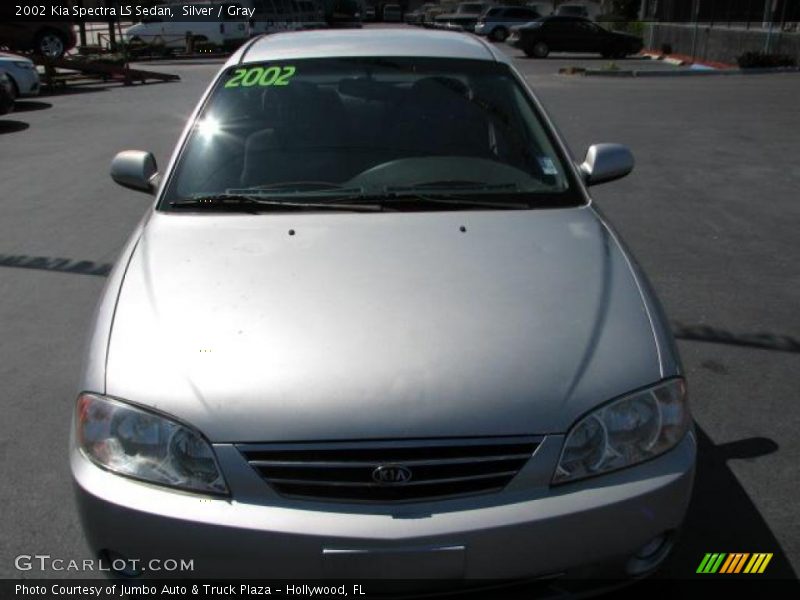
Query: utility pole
[[81, 26], [769, 16], [695, 15]]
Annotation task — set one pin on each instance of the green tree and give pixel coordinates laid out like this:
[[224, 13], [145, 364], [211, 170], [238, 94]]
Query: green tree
[[626, 8]]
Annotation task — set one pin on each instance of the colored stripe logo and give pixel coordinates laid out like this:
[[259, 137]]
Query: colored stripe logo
[[737, 562]]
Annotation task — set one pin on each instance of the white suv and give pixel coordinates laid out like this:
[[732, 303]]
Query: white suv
[[496, 22], [173, 34]]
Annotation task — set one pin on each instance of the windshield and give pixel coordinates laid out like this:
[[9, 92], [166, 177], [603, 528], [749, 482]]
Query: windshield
[[371, 127]]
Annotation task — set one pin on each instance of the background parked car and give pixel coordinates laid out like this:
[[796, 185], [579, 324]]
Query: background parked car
[[22, 74], [417, 16], [572, 10], [392, 13], [464, 17], [542, 7], [6, 96], [571, 34], [172, 34], [308, 12], [496, 22], [429, 18], [47, 38]]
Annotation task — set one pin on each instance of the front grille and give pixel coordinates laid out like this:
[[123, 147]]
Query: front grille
[[417, 469]]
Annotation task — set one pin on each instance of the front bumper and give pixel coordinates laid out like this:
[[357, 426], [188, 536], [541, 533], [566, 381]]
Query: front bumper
[[522, 532], [27, 81], [515, 40]]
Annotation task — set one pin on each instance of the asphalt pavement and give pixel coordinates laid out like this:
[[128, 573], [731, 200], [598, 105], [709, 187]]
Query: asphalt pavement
[[711, 211]]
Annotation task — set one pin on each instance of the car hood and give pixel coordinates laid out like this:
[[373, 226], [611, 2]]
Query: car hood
[[7, 56], [360, 326]]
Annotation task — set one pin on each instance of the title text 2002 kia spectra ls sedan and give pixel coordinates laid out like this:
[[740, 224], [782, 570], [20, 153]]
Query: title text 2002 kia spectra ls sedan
[[374, 327]]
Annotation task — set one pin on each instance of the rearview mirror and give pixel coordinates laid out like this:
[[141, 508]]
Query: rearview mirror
[[606, 162], [135, 170]]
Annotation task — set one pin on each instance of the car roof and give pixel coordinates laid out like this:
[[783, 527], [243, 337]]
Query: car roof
[[325, 43], [563, 18]]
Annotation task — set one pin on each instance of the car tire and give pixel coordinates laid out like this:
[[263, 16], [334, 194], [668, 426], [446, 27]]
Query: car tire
[[6, 109], [540, 50], [499, 34], [616, 52], [14, 88], [50, 44]]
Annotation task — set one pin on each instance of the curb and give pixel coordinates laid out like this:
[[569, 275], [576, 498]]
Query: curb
[[685, 73], [180, 58], [685, 59]]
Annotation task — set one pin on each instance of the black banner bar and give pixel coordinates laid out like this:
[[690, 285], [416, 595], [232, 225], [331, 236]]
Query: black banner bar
[[782, 14], [153, 589]]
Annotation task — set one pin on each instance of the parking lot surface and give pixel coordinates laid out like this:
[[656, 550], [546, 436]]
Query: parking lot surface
[[710, 211], [562, 60]]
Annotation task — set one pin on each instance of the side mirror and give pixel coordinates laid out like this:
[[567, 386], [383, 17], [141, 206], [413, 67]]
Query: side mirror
[[135, 170], [606, 162]]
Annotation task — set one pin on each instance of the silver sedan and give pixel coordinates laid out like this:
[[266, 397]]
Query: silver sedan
[[22, 73], [374, 326]]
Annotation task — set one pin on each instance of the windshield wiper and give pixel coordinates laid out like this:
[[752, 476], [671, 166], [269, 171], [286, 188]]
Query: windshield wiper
[[306, 189], [453, 201], [453, 193], [440, 194], [263, 202], [454, 187]]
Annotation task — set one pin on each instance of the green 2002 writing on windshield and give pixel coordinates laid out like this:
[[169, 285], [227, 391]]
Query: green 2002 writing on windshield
[[261, 76]]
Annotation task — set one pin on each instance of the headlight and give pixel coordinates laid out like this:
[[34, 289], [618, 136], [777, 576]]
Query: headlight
[[131, 441], [626, 432]]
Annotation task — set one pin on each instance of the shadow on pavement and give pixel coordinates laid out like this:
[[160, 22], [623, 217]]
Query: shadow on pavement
[[8, 126], [95, 86], [30, 105], [60, 265], [721, 516], [705, 333], [75, 89]]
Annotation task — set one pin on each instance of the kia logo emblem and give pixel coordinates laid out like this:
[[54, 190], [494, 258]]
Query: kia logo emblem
[[391, 475]]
